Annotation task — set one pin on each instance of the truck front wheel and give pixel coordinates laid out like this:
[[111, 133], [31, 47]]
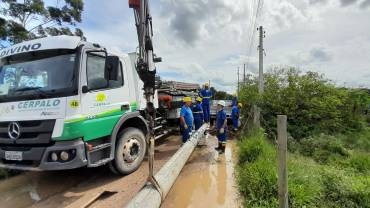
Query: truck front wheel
[[130, 151]]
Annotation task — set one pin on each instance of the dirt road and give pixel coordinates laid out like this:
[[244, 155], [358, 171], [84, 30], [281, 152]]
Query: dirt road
[[206, 178], [76, 188]]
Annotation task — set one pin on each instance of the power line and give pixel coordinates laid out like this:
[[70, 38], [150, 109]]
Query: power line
[[252, 37]]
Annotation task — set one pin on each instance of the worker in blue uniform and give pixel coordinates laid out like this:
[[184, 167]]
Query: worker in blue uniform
[[234, 100], [206, 95], [235, 114], [198, 113], [221, 127], [186, 119]]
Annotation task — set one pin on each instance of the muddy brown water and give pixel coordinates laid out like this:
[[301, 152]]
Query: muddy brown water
[[207, 180]]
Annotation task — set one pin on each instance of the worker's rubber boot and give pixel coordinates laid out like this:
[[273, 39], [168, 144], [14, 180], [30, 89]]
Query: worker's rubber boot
[[218, 148], [222, 149]]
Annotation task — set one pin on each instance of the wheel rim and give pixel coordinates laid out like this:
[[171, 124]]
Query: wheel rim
[[131, 150]]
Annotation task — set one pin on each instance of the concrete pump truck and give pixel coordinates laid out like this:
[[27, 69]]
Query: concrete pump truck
[[67, 103]]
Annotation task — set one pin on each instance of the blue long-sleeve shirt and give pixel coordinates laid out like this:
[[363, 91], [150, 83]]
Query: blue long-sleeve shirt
[[220, 119], [198, 111], [235, 112], [206, 94]]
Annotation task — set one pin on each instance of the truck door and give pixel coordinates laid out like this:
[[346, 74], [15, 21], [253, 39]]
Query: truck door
[[104, 101]]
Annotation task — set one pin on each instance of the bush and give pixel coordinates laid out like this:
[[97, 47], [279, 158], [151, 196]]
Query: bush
[[258, 183], [357, 140], [315, 176], [360, 162], [323, 148], [256, 172], [343, 190], [312, 103], [252, 147], [304, 181]]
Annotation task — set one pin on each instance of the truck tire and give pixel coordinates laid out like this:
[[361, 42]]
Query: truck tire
[[130, 151]]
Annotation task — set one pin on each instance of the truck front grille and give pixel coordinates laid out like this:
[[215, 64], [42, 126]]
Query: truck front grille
[[31, 132]]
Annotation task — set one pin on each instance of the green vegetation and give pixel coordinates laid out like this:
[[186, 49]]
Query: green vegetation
[[312, 103], [220, 95], [329, 143], [25, 20], [330, 176]]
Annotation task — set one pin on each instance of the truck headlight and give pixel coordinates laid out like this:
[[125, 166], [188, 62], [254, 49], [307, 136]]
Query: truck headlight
[[54, 157], [64, 155]]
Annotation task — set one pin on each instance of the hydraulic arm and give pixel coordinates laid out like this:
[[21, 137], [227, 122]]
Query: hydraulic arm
[[146, 69]]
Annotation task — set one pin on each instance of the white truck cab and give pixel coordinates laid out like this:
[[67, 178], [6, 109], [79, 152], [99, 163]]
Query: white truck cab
[[66, 103]]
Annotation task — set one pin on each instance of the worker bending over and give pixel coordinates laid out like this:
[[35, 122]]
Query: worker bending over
[[221, 127], [198, 113], [206, 95], [186, 119], [234, 100], [235, 114]]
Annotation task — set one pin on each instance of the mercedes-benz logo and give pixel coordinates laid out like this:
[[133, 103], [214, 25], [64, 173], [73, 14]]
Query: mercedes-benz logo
[[14, 130]]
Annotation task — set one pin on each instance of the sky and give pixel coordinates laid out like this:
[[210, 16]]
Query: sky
[[201, 40]]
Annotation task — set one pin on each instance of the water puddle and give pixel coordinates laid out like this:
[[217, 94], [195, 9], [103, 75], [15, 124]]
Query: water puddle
[[206, 181]]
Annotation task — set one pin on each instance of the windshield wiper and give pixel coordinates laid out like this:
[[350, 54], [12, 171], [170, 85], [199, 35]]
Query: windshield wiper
[[41, 93], [27, 89]]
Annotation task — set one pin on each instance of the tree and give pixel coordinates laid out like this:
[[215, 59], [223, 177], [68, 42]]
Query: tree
[[220, 95], [312, 103], [30, 19]]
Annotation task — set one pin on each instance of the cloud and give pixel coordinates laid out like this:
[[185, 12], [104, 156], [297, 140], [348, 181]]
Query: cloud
[[196, 20], [314, 55], [203, 40], [311, 2], [284, 14], [365, 4], [345, 3], [319, 55]]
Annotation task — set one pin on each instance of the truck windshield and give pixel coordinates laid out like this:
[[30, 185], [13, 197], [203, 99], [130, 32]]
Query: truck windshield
[[37, 75]]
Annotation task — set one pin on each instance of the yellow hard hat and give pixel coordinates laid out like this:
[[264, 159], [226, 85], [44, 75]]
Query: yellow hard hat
[[206, 84], [240, 105], [187, 99], [199, 99]]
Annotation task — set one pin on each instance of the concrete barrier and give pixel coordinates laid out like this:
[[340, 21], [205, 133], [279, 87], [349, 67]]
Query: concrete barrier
[[149, 197]]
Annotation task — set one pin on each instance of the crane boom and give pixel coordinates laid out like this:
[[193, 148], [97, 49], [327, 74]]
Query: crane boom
[[145, 62], [146, 70]]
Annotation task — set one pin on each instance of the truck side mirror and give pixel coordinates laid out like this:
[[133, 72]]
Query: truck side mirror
[[85, 89], [111, 68]]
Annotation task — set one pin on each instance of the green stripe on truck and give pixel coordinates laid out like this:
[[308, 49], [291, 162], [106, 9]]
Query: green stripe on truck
[[92, 128]]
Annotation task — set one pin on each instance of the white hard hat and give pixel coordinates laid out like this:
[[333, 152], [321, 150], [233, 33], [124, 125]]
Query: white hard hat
[[222, 103]]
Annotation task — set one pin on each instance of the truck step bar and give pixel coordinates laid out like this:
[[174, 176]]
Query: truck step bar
[[100, 147], [100, 162], [158, 118], [157, 127], [162, 135]]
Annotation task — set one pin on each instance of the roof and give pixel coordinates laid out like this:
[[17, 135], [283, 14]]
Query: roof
[[52, 42]]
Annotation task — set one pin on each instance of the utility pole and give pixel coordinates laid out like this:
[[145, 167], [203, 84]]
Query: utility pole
[[257, 111], [244, 75], [237, 92], [261, 53]]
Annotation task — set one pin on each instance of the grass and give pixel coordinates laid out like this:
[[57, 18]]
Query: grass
[[323, 171]]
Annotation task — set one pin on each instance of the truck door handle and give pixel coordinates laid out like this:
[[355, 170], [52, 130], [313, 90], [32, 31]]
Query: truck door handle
[[125, 107]]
